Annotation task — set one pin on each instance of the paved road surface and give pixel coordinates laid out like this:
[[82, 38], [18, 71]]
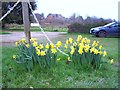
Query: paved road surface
[[15, 36]]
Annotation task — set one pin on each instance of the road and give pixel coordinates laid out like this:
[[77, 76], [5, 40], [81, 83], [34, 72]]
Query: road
[[7, 39]]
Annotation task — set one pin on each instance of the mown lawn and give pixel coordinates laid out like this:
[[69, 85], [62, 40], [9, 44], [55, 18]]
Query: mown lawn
[[63, 76]]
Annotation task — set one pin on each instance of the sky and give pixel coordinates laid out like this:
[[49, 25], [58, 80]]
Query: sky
[[100, 8]]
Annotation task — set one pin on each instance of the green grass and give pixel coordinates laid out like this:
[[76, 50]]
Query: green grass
[[37, 29], [4, 32], [63, 76]]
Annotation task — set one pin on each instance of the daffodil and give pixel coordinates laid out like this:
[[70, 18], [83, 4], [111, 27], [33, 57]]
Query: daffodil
[[84, 40], [100, 47], [27, 45], [58, 59], [14, 56], [74, 44], [52, 45], [23, 40], [96, 51], [47, 46], [33, 39], [53, 50], [59, 43], [92, 49], [16, 43], [88, 41], [65, 46], [37, 48], [80, 51], [86, 48], [38, 53], [42, 53], [35, 44], [72, 47], [67, 42], [111, 61], [81, 45], [70, 40], [72, 51], [95, 43], [100, 52], [68, 58], [41, 46], [104, 53], [79, 38]]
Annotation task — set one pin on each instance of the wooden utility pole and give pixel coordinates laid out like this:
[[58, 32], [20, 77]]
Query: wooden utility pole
[[26, 20], [0, 14]]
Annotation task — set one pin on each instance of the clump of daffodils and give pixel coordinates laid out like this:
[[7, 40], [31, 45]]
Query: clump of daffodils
[[34, 53], [84, 52], [81, 51]]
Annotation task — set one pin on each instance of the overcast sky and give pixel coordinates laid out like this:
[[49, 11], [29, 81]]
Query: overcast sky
[[99, 8]]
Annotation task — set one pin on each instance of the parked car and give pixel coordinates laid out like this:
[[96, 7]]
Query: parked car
[[111, 29]]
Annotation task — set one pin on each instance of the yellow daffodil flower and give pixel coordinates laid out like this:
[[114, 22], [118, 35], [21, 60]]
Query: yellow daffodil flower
[[96, 51], [33, 40], [53, 50], [67, 42], [80, 51], [70, 40], [27, 45], [111, 61], [100, 52], [72, 51], [79, 38], [41, 46], [65, 46], [35, 44], [51, 45], [81, 45], [74, 44], [38, 53], [47, 46], [72, 47], [16, 43], [59, 43], [92, 49], [104, 53], [42, 53], [100, 47], [37, 48], [14, 56], [58, 59], [86, 48], [23, 40], [88, 41], [68, 58]]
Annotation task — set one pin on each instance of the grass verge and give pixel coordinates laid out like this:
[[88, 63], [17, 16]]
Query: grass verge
[[63, 76]]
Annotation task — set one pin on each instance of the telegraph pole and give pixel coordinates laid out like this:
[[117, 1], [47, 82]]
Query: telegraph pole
[[26, 21]]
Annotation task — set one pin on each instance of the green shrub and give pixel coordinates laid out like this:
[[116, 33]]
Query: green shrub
[[83, 28]]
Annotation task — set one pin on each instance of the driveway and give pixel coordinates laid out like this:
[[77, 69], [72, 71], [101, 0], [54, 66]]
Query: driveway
[[15, 36]]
